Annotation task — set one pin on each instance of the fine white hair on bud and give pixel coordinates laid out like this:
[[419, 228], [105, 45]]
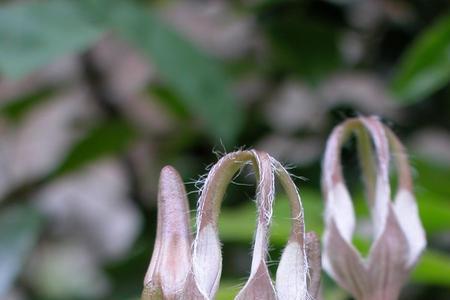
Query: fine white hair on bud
[[207, 260], [399, 237], [176, 273], [292, 272]]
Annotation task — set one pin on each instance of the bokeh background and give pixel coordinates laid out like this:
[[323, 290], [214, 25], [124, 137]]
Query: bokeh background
[[97, 96]]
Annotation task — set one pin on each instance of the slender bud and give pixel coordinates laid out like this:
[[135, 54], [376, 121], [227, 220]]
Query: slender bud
[[207, 258], [294, 268], [398, 233], [171, 259], [259, 284], [293, 281]]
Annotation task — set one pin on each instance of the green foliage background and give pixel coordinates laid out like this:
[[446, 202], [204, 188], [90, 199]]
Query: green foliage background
[[302, 41]]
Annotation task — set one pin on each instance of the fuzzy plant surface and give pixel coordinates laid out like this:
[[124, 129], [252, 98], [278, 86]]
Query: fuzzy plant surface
[[190, 269], [184, 269]]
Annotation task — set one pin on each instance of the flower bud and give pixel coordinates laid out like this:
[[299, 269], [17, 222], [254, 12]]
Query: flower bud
[[175, 274], [207, 258], [399, 237], [171, 258], [298, 274], [292, 275]]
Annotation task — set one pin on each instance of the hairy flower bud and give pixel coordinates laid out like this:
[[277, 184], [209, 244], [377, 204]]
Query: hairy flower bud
[[171, 259], [176, 274], [293, 280], [207, 259], [399, 237], [298, 274]]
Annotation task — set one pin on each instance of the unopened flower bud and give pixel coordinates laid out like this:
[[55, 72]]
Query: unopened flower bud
[[298, 274], [399, 237], [207, 258], [171, 258], [293, 272], [175, 274]]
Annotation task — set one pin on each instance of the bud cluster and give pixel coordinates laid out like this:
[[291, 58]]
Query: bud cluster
[[190, 269], [177, 272]]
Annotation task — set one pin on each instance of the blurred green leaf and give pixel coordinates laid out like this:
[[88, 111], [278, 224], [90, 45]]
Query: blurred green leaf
[[16, 109], [331, 290], [199, 81], [228, 289], [243, 231], [19, 230], [301, 44], [34, 34], [104, 139], [432, 193], [435, 212], [126, 275], [431, 176], [170, 101], [425, 66], [433, 268]]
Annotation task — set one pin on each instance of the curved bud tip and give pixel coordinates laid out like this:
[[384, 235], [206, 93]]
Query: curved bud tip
[[399, 237], [171, 259]]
